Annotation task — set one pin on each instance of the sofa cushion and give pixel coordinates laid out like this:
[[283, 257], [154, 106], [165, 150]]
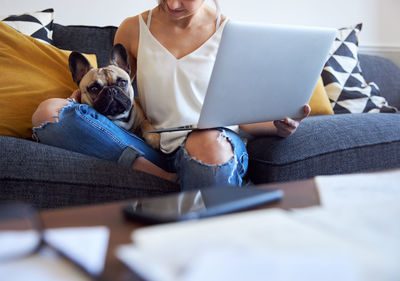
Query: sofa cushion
[[30, 73], [50, 177], [86, 39], [324, 145], [39, 25], [343, 79]]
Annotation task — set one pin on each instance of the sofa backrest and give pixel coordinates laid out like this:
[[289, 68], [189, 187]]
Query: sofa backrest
[[385, 73], [85, 39]]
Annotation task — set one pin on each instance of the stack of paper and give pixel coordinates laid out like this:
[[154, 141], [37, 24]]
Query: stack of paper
[[341, 240]]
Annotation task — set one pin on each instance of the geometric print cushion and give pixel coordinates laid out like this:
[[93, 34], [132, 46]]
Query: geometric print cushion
[[343, 80], [38, 25]]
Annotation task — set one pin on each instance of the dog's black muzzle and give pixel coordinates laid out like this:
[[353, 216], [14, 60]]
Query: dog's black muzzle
[[112, 101]]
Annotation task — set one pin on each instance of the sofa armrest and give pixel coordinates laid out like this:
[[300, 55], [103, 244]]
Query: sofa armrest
[[385, 73]]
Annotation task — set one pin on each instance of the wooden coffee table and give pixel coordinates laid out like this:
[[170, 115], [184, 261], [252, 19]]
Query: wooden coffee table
[[298, 194]]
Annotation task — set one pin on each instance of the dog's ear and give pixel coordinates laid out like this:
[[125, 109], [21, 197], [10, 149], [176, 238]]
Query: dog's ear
[[79, 66], [119, 57]]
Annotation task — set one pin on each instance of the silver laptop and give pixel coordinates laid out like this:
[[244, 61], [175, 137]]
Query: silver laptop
[[262, 73]]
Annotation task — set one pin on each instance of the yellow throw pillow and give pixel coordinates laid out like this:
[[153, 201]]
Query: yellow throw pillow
[[30, 72], [319, 103]]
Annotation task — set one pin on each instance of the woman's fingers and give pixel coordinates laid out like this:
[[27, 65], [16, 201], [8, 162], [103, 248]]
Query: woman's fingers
[[306, 112], [288, 126]]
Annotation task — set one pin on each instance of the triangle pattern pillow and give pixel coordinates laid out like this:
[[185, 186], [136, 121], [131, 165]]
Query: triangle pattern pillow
[[343, 80], [38, 25]]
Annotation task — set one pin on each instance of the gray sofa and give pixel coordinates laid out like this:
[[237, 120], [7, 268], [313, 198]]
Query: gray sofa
[[50, 177]]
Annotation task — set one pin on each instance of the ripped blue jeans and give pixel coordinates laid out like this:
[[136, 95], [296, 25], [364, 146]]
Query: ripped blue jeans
[[82, 129]]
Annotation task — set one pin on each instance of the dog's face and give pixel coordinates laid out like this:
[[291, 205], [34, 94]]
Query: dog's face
[[107, 89]]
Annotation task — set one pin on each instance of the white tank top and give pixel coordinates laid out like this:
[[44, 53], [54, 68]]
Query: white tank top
[[172, 90]]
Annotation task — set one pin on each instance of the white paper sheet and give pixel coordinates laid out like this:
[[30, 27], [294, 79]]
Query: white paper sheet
[[44, 266], [375, 225], [265, 243], [355, 189], [17, 243], [86, 246]]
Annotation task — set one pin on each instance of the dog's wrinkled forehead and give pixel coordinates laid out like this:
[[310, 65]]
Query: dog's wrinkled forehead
[[105, 76]]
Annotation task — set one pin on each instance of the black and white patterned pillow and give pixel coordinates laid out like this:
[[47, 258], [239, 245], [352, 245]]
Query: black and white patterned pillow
[[343, 80], [38, 25]]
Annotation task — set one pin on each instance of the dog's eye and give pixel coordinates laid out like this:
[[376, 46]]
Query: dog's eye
[[94, 89], [122, 83]]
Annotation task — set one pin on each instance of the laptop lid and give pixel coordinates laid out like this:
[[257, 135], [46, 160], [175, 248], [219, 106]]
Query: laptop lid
[[264, 72]]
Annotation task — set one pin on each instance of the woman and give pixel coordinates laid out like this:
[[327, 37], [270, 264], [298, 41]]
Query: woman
[[171, 49]]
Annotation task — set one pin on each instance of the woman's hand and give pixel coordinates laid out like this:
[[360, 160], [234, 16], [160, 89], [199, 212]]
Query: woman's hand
[[288, 126], [76, 95]]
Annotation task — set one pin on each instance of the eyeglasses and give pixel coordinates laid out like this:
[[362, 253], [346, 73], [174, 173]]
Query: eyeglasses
[[22, 234]]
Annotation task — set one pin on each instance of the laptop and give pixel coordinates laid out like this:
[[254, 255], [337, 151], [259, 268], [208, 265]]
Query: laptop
[[262, 72]]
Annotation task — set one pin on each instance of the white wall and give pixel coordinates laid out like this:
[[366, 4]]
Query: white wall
[[381, 18]]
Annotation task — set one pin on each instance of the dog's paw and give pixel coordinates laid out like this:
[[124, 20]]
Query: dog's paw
[[152, 139]]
